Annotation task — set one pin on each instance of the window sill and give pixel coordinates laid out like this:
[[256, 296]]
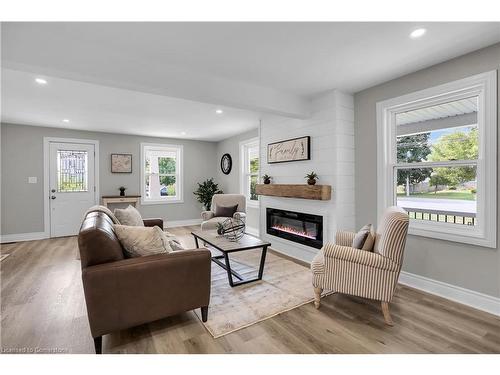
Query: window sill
[[149, 203], [466, 235]]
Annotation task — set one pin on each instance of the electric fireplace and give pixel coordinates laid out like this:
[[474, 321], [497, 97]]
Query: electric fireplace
[[303, 228]]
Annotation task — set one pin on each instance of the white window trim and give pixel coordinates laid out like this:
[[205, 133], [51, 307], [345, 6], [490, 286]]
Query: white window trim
[[179, 166], [484, 86], [243, 163]]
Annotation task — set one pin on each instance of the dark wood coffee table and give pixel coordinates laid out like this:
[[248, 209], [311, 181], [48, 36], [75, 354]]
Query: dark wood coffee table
[[247, 242]]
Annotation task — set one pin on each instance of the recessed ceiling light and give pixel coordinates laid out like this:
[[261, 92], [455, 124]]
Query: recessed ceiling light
[[219, 111], [41, 81], [417, 33], [65, 120], [183, 133]]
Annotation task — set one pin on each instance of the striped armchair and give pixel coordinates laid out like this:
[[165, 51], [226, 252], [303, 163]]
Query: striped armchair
[[340, 268]]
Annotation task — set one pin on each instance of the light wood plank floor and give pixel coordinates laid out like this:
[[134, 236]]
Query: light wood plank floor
[[43, 310]]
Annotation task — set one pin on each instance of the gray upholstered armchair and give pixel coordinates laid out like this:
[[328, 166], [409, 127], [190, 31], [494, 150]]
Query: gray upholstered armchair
[[210, 220], [340, 268]]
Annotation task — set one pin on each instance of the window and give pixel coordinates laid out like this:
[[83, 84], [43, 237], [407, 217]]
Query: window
[[249, 151], [437, 159], [161, 173], [72, 173]]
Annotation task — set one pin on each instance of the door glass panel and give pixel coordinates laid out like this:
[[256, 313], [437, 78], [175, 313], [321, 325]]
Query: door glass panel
[[72, 171]]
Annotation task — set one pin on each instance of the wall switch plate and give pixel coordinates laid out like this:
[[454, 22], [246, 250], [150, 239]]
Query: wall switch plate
[[32, 180]]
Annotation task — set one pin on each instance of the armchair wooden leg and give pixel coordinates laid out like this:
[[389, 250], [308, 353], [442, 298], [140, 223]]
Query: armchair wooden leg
[[98, 345], [204, 313], [317, 296], [387, 314]]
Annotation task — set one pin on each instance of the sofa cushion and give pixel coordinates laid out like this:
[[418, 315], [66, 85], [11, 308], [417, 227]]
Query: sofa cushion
[[141, 241], [129, 216], [173, 241], [225, 211], [363, 239], [212, 223]]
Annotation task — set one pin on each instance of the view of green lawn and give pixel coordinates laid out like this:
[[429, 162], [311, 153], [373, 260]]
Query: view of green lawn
[[445, 194]]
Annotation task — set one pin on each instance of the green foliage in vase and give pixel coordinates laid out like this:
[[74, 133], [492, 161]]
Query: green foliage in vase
[[206, 190], [312, 176]]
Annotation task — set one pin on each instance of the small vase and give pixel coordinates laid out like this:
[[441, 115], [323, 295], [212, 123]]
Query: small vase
[[122, 193], [311, 181]]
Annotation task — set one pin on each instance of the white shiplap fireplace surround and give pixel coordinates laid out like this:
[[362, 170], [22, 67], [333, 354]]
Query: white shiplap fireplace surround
[[331, 128]]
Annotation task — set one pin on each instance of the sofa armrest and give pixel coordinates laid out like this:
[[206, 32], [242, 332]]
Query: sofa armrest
[[240, 216], [344, 238], [362, 257], [134, 291], [153, 222], [207, 215]]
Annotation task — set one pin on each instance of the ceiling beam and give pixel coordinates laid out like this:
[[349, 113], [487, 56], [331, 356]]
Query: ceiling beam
[[178, 83]]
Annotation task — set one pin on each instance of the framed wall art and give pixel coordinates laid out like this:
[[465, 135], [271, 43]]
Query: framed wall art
[[294, 149], [121, 163]]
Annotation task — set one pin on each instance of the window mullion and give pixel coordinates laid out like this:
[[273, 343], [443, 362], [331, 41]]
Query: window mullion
[[436, 164]]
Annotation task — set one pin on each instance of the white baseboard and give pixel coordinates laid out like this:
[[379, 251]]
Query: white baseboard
[[252, 231], [467, 297], [181, 223], [19, 237]]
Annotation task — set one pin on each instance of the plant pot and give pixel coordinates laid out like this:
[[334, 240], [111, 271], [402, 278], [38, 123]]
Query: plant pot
[[311, 181], [267, 182]]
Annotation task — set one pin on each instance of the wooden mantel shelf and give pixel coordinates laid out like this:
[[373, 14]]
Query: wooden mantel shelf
[[317, 192]]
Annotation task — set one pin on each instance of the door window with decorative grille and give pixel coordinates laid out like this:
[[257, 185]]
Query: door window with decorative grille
[[72, 173]]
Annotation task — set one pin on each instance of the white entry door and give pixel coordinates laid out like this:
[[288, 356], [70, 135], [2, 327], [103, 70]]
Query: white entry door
[[71, 186]]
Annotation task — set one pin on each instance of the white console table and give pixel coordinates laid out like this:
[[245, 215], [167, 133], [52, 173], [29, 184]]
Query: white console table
[[132, 199]]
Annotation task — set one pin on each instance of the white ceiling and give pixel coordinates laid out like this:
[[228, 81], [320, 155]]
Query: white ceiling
[[102, 75], [302, 58], [107, 109]]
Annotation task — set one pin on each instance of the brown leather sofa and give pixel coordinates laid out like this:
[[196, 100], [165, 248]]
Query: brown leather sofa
[[122, 293]]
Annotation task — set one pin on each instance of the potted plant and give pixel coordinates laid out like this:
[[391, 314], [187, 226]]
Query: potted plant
[[267, 179], [206, 190], [311, 178], [122, 190]]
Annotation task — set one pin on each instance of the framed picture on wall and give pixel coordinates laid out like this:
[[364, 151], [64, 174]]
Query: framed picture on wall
[[294, 149], [121, 163]]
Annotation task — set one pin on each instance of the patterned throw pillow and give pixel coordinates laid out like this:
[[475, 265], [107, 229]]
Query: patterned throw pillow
[[364, 239], [129, 216], [142, 241], [173, 241], [225, 211]]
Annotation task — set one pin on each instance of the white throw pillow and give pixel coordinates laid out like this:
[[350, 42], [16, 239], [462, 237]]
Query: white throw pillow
[[141, 241], [364, 238], [129, 216]]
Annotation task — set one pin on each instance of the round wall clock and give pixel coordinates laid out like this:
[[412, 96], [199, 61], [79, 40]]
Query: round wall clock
[[226, 163]]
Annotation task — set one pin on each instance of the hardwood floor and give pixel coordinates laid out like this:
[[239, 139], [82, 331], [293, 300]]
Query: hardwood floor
[[43, 310]]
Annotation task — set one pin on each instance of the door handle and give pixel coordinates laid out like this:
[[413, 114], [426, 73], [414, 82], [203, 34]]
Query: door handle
[[53, 197]]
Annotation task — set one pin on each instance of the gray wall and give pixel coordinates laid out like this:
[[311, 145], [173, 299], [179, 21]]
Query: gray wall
[[467, 266], [231, 183], [22, 156]]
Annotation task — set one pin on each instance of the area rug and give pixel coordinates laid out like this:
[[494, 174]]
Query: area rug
[[285, 286]]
